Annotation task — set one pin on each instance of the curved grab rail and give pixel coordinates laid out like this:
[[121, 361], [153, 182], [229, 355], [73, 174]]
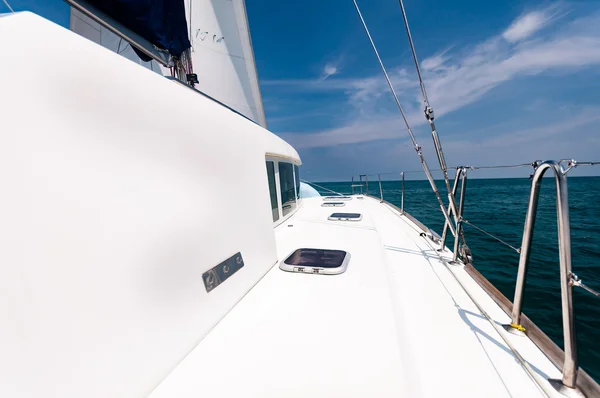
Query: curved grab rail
[[570, 366]]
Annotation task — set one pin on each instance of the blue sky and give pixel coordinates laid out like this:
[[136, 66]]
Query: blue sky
[[510, 81]]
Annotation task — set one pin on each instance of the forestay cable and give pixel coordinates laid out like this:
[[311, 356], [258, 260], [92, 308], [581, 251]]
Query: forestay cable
[[412, 136]]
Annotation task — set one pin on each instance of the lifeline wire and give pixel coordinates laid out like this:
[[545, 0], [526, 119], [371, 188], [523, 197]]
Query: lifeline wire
[[490, 235], [506, 166]]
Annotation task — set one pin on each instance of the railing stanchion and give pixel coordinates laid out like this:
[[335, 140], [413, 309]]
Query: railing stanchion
[[402, 203], [352, 185], [367, 184], [570, 366], [380, 190], [461, 203], [446, 224], [361, 183]]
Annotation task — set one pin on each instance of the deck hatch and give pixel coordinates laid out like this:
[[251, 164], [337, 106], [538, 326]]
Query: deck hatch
[[316, 261], [344, 198], [333, 204], [345, 217]]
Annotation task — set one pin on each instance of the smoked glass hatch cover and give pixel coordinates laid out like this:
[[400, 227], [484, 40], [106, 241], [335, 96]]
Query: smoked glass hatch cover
[[333, 204], [345, 217], [345, 198], [316, 261]]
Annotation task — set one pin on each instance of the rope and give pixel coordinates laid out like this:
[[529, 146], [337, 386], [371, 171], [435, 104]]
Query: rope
[[490, 235], [8, 5]]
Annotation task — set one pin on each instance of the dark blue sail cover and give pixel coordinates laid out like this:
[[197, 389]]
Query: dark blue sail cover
[[161, 22]]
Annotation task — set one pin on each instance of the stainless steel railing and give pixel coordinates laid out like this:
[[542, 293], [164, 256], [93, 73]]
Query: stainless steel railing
[[570, 366], [461, 175], [567, 385]]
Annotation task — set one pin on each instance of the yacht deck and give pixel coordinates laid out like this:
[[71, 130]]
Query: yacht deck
[[396, 323]]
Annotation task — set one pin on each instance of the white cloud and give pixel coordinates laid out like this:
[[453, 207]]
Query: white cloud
[[352, 133], [329, 70], [456, 78], [434, 62], [526, 25]]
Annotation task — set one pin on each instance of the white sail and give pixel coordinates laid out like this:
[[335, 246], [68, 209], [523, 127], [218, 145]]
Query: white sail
[[222, 53]]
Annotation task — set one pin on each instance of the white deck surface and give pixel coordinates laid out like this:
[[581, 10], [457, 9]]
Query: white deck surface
[[396, 323]]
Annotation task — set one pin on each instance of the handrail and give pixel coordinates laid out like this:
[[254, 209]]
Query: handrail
[[570, 366]]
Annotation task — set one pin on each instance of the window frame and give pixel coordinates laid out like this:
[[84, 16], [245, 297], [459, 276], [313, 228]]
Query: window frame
[[275, 175], [291, 195], [276, 160]]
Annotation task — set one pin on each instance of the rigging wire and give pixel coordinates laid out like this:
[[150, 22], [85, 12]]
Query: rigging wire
[[518, 250], [429, 112], [483, 167], [190, 22], [505, 166], [587, 163], [575, 281], [412, 136], [318, 186], [414, 54], [472, 168], [8, 5], [491, 235]]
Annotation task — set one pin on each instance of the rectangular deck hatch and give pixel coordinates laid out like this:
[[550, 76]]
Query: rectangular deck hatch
[[333, 204], [345, 217], [344, 198], [316, 261]]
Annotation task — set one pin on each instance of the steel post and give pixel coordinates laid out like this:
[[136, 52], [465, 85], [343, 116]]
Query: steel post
[[570, 366]]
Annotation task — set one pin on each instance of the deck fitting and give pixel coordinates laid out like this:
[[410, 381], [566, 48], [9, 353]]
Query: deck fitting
[[516, 331], [564, 390]]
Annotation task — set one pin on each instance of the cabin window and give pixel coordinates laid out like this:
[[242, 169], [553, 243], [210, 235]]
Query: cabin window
[[288, 190], [297, 176], [273, 190]]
